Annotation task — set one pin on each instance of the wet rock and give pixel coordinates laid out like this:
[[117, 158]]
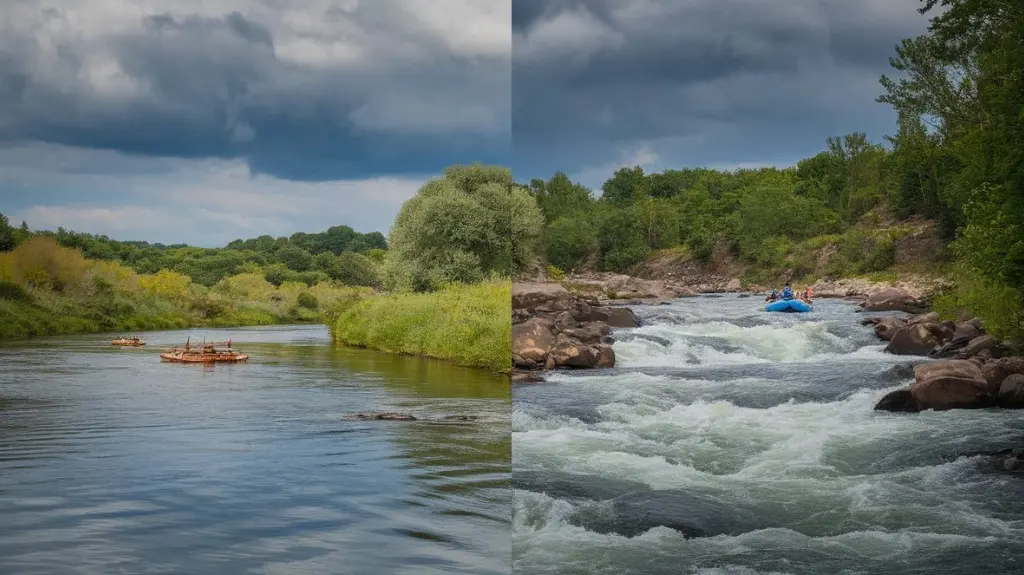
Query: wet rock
[[526, 377], [591, 332], [531, 342], [950, 348], [968, 329], [912, 340], [886, 327], [613, 316], [931, 317], [1011, 392], [945, 331], [605, 355], [997, 370], [890, 299], [953, 384], [569, 352], [384, 416], [976, 345], [901, 400]]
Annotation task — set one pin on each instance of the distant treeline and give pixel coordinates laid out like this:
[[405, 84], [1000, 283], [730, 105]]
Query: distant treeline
[[956, 157], [339, 253]]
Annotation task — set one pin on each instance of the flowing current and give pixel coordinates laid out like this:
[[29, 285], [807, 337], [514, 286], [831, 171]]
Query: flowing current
[[728, 440]]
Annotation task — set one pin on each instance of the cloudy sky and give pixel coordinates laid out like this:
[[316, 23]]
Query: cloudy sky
[[202, 121], [598, 84]]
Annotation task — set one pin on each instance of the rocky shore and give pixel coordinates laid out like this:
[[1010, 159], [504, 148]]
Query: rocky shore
[[621, 289], [975, 370], [554, 328]]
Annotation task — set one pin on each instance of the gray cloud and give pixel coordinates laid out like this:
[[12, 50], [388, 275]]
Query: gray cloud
[[702, 82], [200, 202], [301, 89]]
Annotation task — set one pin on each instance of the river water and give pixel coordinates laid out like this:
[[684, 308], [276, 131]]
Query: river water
[[113, 462], [733, 441]]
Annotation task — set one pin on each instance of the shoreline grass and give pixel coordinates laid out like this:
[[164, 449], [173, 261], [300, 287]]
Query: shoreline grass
[[468, 324]]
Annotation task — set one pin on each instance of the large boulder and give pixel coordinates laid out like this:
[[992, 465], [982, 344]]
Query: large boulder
[[569, 352], [954, 384], [997, 370], [613, 316], [886, 327], [531, 341], [593, 332], [930, 317], [530, 295], [1011, 392], [890, 299], [968, 330], [978, 344], [912, 340]]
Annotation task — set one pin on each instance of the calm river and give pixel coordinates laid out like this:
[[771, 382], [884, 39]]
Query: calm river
[[733, 441], [113, 462]]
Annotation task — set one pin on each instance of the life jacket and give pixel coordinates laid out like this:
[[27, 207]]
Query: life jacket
[[787, 293]]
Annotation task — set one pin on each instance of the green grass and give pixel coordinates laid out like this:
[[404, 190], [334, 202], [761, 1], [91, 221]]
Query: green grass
[[1000, 306], [467, 324]]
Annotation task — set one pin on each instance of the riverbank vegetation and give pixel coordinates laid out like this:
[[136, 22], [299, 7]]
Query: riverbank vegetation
[[49, 289], [465, 323], [338, 253], [943, 194], [453, 249]]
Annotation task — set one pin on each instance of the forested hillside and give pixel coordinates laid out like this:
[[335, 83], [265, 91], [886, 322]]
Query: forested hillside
[[952, 168]]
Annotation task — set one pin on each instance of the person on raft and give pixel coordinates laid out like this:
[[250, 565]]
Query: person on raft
[[772, 296], [787, 292], [808, 294]]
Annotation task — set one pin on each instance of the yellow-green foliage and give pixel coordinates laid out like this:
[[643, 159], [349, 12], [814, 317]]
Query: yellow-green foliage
[[49, 289], [468, 324], [555, 274]]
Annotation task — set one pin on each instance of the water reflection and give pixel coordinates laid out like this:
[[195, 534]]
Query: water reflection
[[111, 461]]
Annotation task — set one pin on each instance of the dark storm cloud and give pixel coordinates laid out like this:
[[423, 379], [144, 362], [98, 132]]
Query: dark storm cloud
[[302, 90], [700, 82]]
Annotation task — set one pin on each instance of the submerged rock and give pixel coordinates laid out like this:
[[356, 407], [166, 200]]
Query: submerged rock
[[899, 400], [384, 416]]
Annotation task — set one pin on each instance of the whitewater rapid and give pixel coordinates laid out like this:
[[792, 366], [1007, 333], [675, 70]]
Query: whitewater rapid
[[730, 440]]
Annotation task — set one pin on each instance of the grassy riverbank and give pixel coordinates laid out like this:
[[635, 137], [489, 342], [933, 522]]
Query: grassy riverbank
[[48, 289], [466, 324]]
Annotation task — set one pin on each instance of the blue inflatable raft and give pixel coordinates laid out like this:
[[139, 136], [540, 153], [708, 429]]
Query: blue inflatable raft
[[789, 305]]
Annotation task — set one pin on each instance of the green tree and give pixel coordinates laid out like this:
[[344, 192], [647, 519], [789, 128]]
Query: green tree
[[470, 223], [570, 242], [8, 235], [294, 258]]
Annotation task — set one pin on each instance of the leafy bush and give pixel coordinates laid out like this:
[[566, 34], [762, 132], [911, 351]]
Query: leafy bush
[[308, 300], [14, 292]]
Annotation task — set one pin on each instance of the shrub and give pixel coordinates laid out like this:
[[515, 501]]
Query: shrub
[[308, 300], [467, 324], [14, 292]]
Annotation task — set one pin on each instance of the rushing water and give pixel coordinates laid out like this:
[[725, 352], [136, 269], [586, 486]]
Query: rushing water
[[733, 441], [112, 462]]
